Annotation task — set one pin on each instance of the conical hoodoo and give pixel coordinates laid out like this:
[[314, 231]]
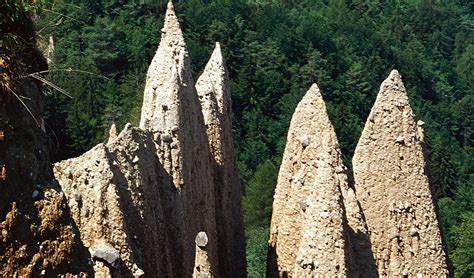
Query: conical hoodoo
[[172, 112], [214, 93], [141, 198], [309, 229], [393, 188]]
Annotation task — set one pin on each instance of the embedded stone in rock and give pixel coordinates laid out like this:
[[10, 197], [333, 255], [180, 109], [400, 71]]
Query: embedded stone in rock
[[202, 266], [313, 241], [393, 188], [214, 94], [201, 239], [106, 252], [114, 196], [171, 109]]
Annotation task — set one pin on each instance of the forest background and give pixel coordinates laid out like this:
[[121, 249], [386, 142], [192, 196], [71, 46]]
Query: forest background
[[275, 50]]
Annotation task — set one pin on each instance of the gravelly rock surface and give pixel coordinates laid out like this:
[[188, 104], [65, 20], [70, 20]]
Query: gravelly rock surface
[[309, 229], [393, 188], [214, 94]]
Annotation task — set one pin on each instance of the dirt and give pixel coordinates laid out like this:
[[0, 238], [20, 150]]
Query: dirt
[[38, 235]]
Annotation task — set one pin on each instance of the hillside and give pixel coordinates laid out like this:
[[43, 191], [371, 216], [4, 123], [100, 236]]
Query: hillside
[[275, 50]]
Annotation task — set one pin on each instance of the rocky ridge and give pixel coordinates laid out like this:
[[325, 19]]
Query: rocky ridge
[[114, 194]]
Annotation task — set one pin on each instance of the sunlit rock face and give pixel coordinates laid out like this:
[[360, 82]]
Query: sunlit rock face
[[393, 188], [214, 94], [309, 234], [172, 112]]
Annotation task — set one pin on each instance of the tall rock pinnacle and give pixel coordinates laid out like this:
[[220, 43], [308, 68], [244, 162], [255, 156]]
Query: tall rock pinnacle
[[214, 94], [167, 77], [308, 234], [172, 111], [393, 188]]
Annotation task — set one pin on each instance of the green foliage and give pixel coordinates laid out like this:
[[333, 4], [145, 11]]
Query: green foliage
[[463, 254], [275, 50], [258, 198], [15, 10], [257, 246]]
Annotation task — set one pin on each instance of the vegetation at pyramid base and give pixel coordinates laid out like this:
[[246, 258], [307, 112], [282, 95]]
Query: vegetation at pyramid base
[[275, 50]]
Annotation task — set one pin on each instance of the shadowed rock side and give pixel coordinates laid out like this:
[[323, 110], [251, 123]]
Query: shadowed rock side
[[308, 233], [171, 110], [214, 94], [115, 194], [37, 234], [393, 189]]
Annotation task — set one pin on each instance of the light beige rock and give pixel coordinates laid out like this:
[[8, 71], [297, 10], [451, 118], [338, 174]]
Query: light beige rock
[[115, 198], [202, 267], [168, 79], [393, 189], [112, 133], [214, 93], [172, 111], [308, 236]]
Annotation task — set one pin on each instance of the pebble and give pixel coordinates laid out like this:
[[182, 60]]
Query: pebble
[[400, 140], [135, 159], [304, 140], [201, 239], [104, 251], [174, 145]]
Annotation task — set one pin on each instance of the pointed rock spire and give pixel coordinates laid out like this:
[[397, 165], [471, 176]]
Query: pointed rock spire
[[213, 86], [307, 234], [172, 112], [167, 74], [214, 94], [393, 189], [112, 133]]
